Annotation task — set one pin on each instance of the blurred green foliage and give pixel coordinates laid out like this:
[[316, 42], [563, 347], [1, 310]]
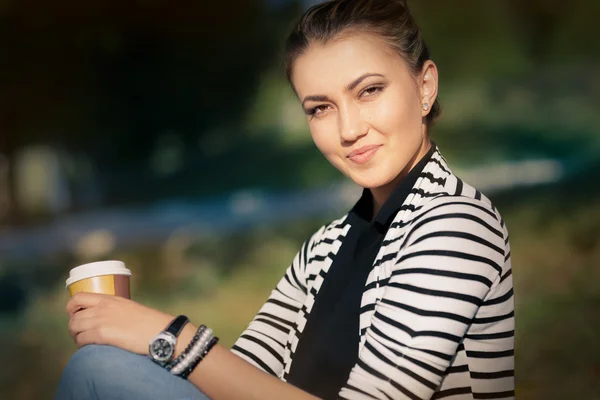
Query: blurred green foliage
[[152, 93]]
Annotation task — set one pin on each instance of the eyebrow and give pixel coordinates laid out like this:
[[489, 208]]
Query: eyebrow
[[349, 88], [315, 98], [361, 78]]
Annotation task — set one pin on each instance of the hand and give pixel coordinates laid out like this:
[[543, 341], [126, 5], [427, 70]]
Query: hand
[[112, 320]]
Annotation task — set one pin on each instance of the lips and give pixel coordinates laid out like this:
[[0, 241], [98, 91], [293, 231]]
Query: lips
[[363, 154]]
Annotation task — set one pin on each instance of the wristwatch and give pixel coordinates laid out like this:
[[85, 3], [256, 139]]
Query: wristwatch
[[162, 346]]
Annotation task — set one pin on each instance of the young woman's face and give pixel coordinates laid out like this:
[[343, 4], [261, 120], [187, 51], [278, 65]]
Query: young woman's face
[[364, 107]]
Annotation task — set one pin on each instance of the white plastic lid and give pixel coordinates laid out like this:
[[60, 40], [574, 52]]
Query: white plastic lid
[[97, 269]]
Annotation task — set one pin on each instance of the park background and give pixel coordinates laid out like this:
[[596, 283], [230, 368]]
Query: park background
[[164, 134]]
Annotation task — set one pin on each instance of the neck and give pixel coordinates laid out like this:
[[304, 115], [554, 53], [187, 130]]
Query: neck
[[382, 193]]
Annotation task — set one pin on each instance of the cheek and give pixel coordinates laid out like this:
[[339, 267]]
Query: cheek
[[396, 115], [327, 141], [323, 137]]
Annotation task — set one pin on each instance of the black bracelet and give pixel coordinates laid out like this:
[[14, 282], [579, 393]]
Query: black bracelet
[[199, 333], [199, 358]]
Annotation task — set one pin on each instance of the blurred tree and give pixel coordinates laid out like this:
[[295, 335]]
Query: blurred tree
[[111, 78], [557, 29], [121, 81]]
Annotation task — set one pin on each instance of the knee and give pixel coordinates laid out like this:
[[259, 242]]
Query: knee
[[92, 361], [88, 368]]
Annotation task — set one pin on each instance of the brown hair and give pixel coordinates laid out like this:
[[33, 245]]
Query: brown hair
[[390, 20]]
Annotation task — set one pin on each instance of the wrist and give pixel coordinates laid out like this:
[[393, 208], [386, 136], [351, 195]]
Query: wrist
[[162, 347]]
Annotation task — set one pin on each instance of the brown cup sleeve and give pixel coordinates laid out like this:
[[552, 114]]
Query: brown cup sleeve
[[122, 286]]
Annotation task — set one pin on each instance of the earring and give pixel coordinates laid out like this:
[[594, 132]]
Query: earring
[[425, 106]]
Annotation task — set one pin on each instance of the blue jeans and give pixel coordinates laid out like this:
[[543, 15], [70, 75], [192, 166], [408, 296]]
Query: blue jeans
[[104, 372]]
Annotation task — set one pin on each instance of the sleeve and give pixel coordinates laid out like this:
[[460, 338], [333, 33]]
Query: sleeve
[[263, 342], [451, 258]]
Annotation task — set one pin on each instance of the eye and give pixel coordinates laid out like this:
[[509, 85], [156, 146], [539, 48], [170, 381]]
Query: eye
[[318, 110], [371, 91]]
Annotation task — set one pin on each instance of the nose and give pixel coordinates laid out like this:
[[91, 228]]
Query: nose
[[351, 124]]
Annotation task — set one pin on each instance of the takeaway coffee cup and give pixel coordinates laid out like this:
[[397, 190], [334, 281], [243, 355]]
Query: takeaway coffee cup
[[108, 277]]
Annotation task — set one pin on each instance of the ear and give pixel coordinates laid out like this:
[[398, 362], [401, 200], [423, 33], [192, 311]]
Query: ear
[[429, 85]]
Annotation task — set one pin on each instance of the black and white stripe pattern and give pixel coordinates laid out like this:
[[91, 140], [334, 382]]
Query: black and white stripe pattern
[[437, 312]]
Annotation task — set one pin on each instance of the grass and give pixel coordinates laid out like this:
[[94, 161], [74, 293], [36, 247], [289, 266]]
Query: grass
[[556, 270]]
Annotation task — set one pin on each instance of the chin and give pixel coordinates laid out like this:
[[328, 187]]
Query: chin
[[372, 179]]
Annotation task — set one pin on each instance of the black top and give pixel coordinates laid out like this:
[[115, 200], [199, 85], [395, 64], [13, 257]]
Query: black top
[[328, 346]]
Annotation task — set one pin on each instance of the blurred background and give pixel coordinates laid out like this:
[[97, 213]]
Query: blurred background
[[164, 134]]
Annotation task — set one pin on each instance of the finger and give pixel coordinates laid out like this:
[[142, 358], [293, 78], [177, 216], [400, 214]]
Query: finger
[[83, 320], [84, 300], [100, 334], [91, 336], [81, 325], [85, 313]]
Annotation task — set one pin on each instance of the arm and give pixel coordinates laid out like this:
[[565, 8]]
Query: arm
[[222, 375], [111, 320], [452, 256], [251, 368]]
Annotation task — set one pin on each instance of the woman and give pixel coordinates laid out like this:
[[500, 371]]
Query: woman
[[408, 296]]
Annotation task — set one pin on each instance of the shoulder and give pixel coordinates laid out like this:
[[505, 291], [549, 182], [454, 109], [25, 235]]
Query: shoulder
[[446, 203], [459, 196], [457, 234], [458, 221]]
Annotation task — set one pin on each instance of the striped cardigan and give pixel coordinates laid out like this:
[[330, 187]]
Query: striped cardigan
[[437, 311]]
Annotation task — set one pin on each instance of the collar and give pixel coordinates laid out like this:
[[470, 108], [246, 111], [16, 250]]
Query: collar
[[364, 207]]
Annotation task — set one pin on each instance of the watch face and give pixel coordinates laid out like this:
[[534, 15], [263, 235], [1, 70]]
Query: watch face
[[161, 349]]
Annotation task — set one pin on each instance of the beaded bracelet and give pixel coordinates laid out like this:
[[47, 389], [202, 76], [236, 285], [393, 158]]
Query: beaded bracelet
[[199, 357], [187, 350], [198, 347]]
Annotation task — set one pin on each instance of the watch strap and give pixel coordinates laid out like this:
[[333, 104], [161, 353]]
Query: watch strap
[[177, 325]]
